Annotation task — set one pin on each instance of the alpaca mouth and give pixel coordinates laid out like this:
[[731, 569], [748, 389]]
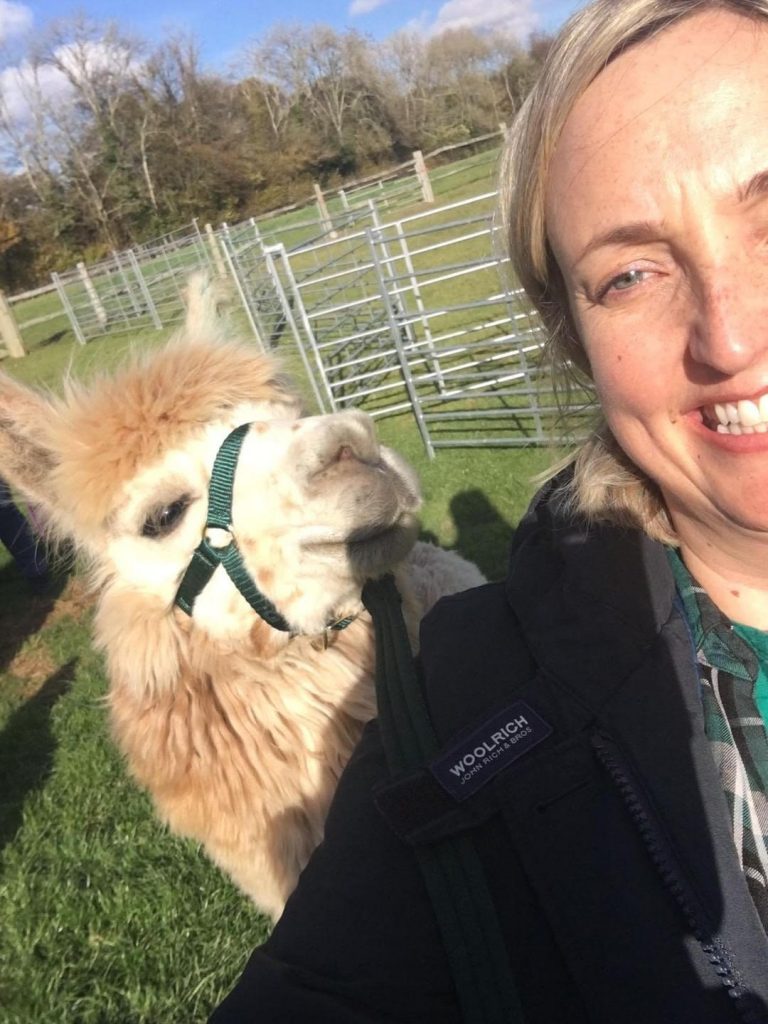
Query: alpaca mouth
[[378, 533], [372, 551], [359, 537]]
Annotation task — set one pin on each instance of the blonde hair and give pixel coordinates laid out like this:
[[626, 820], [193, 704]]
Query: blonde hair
[[606, 485]]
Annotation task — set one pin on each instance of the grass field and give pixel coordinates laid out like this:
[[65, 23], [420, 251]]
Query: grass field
[[106, 918]]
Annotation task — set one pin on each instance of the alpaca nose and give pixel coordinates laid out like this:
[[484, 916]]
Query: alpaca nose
[[340, 440]]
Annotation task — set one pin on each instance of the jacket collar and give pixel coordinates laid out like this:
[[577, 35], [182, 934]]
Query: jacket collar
[[592, 601]]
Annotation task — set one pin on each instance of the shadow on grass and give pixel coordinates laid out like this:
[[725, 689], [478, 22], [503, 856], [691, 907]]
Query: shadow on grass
[[51, 339], [27, 747], [23, 609], [481, 532]]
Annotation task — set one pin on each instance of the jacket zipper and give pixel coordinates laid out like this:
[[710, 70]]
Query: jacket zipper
[[664, 861]]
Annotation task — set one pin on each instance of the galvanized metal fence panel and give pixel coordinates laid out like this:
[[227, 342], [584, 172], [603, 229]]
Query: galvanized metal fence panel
[[143, 286], [389, 193], [340, 319], [419, 314], [481, 169], [162, 269], [134, 289], [104, 297], [388, 315]]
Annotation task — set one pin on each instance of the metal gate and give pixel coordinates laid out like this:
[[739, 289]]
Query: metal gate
[[412, 314], [418, 314]]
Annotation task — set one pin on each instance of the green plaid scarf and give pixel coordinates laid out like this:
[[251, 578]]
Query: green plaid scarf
[[728, 669]]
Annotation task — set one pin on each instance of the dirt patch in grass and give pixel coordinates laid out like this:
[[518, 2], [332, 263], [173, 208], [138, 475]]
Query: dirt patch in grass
[[75, 601], [33, 665], [30, 611], [25, 614]]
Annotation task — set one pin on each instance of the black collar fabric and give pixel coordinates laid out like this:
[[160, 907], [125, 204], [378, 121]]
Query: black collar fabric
[[599, 611]]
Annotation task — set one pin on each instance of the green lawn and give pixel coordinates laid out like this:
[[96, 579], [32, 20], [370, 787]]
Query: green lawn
[[106, 918]]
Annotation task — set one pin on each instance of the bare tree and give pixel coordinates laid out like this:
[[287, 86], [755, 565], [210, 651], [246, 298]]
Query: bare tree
[[104, 140], [88, 71], [514, 70], [276, 68], [406, 83], [25, 129], [336, 71]]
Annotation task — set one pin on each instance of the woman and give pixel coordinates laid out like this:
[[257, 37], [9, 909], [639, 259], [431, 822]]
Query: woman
[[625, 848], [17, 535]]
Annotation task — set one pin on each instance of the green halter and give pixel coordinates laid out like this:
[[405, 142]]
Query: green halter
[[207, 557]]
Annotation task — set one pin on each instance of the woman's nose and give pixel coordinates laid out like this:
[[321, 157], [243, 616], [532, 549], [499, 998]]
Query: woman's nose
[[730, 331]]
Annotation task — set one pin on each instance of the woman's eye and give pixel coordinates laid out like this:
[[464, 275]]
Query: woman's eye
[[165, 518], [622, 282]]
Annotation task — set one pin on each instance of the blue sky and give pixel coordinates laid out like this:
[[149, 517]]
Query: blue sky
[[224, 26]]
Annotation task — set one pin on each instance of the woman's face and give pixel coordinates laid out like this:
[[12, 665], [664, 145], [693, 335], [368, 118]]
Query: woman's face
[[657, 209]]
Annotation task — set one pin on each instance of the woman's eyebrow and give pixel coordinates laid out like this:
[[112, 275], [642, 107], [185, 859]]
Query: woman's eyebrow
[[648, 231], [624, 234], [756, 186]]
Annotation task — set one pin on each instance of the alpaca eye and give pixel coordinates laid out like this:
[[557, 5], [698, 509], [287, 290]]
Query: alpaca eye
[[165, 518]]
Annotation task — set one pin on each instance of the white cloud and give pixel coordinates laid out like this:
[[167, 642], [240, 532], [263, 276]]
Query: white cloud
[[517, 17], [19, 85], [96, 56], [365, 6], [14, 19], [23, 87]]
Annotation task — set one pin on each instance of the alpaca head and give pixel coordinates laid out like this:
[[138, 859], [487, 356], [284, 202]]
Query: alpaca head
[[123, 468]]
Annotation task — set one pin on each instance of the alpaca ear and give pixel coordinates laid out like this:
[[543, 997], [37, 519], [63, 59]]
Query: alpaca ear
[[203, 298], [26, 458]]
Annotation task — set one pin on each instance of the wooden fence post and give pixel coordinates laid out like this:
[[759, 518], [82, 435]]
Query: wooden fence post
[[93, 295], [325, 217], [218, 259], [9, 331], [421, 170]]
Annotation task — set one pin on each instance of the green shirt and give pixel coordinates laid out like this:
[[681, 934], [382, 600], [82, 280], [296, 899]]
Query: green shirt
[[729, 668], [758, 641]]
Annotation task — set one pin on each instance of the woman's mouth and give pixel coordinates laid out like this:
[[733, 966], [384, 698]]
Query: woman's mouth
[[745, 416]]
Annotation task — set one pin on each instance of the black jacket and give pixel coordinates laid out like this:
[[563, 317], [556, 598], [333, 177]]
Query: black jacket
[[607, 846]]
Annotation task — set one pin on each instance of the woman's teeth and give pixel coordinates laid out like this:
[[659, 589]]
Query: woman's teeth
[[744, 417]]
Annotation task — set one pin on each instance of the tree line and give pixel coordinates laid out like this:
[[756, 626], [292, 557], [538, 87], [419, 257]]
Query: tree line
[[106, 141]]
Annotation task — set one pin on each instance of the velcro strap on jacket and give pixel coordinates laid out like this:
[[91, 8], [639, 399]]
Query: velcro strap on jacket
[[418, 809]]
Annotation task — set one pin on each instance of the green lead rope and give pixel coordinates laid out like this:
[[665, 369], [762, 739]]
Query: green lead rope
[[451, 868]]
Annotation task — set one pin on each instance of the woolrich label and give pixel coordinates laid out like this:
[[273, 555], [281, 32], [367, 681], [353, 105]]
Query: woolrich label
[[477, 758]]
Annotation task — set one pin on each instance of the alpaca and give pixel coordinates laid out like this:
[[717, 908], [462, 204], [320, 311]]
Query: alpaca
[[238, 730]]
